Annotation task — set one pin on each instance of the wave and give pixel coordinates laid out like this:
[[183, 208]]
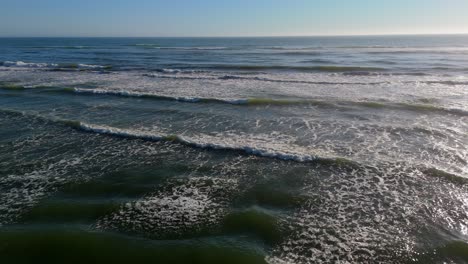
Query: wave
[[443, 175], [276, 48], [371, 47], [177, 71], [196, 48], [432, 108], [302, 53], [256, 68], [454, 251], [78, 66], [418, 107], [367, 47], [180, 77], [132, 134], [42, 88], [209, 144], [82, 66], [146, 45], [451, 83], [376, 47], [176, 75], [242, 47], [77, 47], [423, 105], [246, 149], [186, 74], [238, 101], [82, 244], [272, 101], [22, 64], [145, 95], [297, 68], [419, 51], [236, 77], [290, 48], [324, 61], [147, 136], [63, 47], [157, 46], [248, 101], [369, 73], [11, 86]]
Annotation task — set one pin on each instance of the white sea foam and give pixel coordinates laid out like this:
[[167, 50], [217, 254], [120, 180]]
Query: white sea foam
[[90, 66], [21, 64], [143, 94], [190, 205], [417, 106], [269, 149], [28, 64]]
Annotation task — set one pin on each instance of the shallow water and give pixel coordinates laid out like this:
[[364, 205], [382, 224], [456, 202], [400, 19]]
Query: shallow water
[[234, 150]]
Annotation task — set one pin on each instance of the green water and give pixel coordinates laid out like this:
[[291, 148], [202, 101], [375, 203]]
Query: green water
[[237, 150]]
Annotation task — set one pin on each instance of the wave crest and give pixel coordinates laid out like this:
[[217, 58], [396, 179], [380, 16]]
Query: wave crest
[[271, 101], [132, 134], [54, 66]]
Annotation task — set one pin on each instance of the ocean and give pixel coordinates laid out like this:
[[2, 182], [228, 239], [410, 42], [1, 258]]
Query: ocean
[[234, 150]]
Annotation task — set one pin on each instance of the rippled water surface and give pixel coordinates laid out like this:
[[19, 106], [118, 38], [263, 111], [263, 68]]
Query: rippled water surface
[[234, 150]]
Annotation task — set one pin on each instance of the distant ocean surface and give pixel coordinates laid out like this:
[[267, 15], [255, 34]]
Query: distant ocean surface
[[234, 150]]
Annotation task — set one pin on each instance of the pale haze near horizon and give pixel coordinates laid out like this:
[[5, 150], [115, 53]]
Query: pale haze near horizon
[[146, 18]]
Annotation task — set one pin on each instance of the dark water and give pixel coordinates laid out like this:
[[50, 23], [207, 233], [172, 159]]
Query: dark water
[[234, 150]]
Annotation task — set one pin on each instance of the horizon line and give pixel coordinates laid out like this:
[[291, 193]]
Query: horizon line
[[253, 36]]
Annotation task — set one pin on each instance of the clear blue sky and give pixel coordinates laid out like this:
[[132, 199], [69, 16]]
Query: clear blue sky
[[230, 18]]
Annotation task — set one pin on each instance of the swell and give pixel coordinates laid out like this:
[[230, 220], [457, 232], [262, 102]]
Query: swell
[[443, 175], [238, 101], [64, 47], [54, 66], [416, 107], [345, 70], [188, 48], [178, 139], [270, 101], [131, 134], [185, 74], [420, 51], [247, 68], [450, 83], [369, 73], [42, 88], [296, 68], [236, 77], [454, 251], [77, 244], [253, 69], [245, 149], [146, 136], [259, 68]]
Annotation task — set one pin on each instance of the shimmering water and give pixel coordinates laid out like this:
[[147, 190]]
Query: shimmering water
[[234, 150]]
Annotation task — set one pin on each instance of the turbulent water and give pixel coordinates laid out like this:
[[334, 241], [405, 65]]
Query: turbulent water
[[234, 150]]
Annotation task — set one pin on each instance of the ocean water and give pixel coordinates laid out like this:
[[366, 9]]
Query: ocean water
[[234, 150]]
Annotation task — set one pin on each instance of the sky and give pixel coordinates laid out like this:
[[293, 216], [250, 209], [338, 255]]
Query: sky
[[153, 18]]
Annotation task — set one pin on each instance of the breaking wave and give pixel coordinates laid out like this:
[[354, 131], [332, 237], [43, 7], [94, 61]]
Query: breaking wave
[[271, 101], [297, 68], [78, 66], [176, 75]]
